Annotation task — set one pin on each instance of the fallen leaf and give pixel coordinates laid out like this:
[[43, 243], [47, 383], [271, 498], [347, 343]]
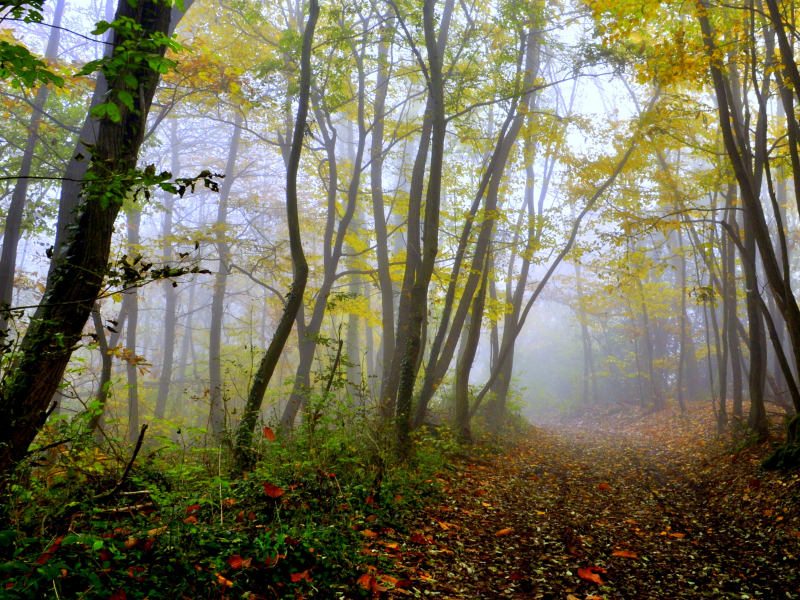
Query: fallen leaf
[[157, 531], [624, 553], [591, 574], [222, 581], [604, 486], [369, 582], [269, 434], [502, 532], [235, 561], [273, 491], [369, 533], [680, 536], [300, 576]]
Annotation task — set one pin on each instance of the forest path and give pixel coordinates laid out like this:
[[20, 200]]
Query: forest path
[[652, 514]]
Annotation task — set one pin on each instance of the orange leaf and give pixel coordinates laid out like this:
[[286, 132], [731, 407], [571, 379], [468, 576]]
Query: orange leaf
[[591, 574], [505, 531], [300, 576], [223, 582], [273, 491], [191, 519], [371, 501], [624, 553], [131, 542], [604, 486], [269, 434], [368, 581], [369, 533], [680, 536]]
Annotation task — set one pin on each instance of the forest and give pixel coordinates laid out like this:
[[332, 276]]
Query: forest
[[382, 298]]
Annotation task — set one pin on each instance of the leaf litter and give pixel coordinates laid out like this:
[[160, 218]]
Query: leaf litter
[[629, 506]]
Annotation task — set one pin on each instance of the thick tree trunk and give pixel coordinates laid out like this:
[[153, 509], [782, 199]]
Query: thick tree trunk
[[77, 276]]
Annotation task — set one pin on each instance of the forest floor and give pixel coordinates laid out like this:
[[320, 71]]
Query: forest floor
[[607, 506]]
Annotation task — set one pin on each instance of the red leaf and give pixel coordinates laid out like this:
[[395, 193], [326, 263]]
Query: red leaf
[[235, 561], [133, 572], [418, 539], [193, 509], [269, 434], [591, 574], [118, 595], [370, 500], [604, 486], [516, 576], [273, 491], [149, 543], [48, 554], [300, 576]]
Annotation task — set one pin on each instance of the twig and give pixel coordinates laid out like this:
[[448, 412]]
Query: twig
[[127, 468], [48, 446]]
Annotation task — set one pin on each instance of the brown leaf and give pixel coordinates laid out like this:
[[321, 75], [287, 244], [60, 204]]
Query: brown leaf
[[502, 532], [269, 434], [591, 574], [604, 486], [680, 536], [625, 553]]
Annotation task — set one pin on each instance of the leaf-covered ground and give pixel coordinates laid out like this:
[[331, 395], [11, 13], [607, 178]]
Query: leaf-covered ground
[[609, 506]]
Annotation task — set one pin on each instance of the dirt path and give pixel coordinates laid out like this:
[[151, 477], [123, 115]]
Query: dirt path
[[682, 521]]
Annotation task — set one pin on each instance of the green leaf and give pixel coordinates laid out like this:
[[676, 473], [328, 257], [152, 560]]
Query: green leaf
[[130, 80], [101, 27], [126, 99]]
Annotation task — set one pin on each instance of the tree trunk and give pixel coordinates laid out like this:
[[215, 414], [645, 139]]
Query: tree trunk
[[16, 208], [134, 224], [216, 417], [77, 276], [244, 433], [170, 293], [464, 367], [419, 292]]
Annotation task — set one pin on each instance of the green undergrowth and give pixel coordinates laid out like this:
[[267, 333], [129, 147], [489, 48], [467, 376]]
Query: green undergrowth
[[179, 528]]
